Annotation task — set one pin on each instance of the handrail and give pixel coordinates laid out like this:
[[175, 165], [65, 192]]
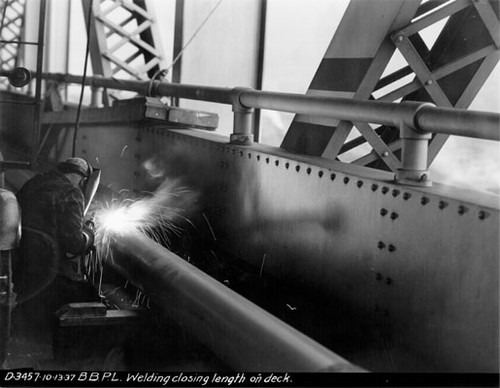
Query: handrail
[[459, 122], [415, 120]]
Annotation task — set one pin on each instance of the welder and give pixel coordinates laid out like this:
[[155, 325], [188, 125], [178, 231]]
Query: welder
[[48, 272]]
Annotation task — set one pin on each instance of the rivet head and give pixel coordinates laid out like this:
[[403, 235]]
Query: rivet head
[[429, 82], [385, 154], [399, 38], [483, 215]]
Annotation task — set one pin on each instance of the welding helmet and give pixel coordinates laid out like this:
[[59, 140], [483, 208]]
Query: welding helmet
[[77, 166], [92, 177]]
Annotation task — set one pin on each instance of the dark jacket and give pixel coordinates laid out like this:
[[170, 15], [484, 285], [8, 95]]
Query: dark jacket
[[52, 222]]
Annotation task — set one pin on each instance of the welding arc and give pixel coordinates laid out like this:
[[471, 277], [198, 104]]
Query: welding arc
[[84, 76]]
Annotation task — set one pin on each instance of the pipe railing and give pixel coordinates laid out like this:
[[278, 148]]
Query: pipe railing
[[415, 120]]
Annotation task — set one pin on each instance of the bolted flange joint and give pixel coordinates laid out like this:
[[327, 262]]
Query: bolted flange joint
[[414, 151], [243, 119]]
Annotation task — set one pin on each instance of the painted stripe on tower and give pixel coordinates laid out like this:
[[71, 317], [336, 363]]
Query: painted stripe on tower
[[341, 74]]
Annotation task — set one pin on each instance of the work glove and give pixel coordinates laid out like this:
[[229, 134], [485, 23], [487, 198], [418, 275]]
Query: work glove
[[89, 237]]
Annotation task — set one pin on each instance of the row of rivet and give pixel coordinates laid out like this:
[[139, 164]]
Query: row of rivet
[[384, 190], [482, 215]]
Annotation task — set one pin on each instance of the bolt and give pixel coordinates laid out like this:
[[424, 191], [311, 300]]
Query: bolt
[[381, 245], [391, 248], [374, 187], [424, 201], [482, 215], [383, 212], [287, 165], [462, 210], [320, 174], [388, 281], [332, 177], [346, 180], [378, 276], [385, 190], [423, 177], [394, 215], [443, 204], [359, 183], [309, 170], [406, 196], [395, 193]]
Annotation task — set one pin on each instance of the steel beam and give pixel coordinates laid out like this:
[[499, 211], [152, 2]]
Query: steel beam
[[242, 334]]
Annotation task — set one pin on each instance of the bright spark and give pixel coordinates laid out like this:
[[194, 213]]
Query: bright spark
[[155, 215]]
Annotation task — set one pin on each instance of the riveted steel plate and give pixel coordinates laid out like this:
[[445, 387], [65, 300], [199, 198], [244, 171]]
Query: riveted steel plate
[[421, 263]]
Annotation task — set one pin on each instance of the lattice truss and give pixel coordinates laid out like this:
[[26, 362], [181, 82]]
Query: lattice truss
[[125, 41], [448, 71], [11, 31]]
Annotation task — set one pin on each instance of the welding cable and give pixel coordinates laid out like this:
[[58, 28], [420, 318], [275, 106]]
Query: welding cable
[[161, 73], [84, 76]]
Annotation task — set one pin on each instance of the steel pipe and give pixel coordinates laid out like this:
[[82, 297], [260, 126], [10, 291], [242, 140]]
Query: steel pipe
[[461, 122], [241, 334], [430, 119]]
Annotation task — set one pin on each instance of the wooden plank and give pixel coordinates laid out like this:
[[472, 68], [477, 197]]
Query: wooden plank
[[111, 318]]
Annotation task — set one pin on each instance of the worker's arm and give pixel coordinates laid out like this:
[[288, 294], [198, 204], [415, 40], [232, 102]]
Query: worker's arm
[[71, 236]]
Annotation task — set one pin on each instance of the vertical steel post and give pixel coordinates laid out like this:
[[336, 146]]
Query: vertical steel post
[[178, 41], [38, 89], [260, 65], [413, 169], [243, 119]]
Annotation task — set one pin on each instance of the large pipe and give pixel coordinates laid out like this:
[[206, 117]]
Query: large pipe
[[458, 122], [241, 334]]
